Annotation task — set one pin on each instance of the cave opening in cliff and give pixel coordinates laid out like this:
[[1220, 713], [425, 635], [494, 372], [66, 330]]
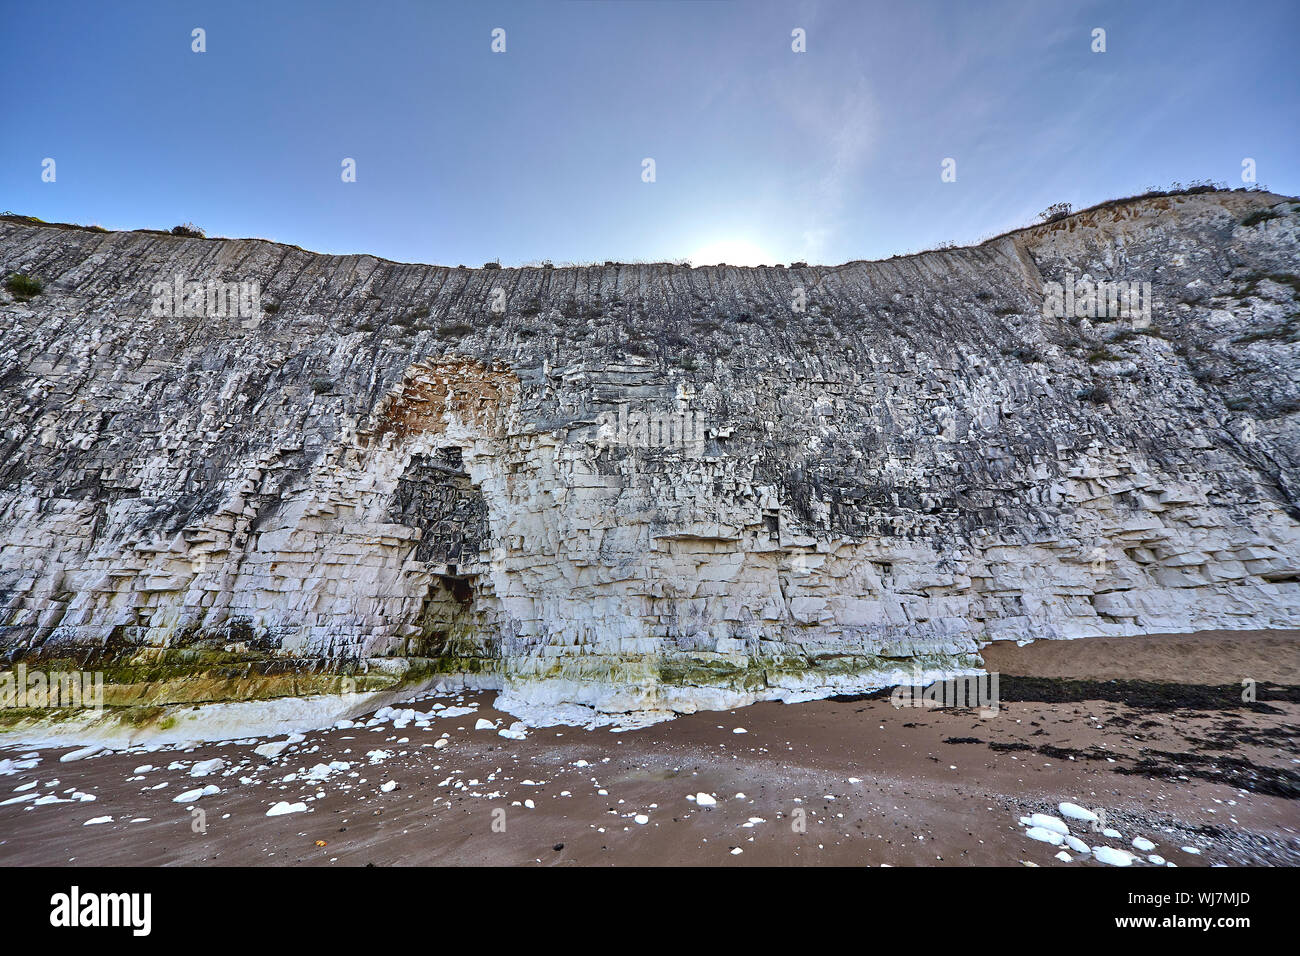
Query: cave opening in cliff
[[445, 621], [436, 496]]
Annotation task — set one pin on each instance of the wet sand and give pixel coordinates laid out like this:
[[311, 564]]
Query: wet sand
[[1181, 764], [1206, 657]]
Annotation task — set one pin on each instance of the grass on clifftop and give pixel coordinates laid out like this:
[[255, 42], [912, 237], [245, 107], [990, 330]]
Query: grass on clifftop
[[24, 287]]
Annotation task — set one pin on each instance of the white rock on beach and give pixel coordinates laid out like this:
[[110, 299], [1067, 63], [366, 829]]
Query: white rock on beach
[[205, 767], [705, 800], [1075, 812], [189, 796], [1077, 845], [82, 754], [1045, 835], [323, 770], [1112, 857], [283, 807], [1048, 822]]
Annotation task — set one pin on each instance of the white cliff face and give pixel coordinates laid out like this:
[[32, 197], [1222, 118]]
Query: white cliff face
[[644, 488]]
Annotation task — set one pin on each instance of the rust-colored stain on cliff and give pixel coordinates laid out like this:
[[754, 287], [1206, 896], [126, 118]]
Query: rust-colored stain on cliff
[[437, 390]]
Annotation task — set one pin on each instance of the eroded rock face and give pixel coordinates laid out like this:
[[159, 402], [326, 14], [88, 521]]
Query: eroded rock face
[[645, 487]]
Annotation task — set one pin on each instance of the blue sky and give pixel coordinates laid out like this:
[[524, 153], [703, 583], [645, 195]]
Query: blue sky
[[761, 154]]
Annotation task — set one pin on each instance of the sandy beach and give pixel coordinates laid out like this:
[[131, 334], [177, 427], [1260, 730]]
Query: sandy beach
[[1171, 756]]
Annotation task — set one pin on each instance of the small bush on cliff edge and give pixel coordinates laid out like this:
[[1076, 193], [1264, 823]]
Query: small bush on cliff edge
[[1260, 215], [23, 287], [189, 230], [1057, 210]]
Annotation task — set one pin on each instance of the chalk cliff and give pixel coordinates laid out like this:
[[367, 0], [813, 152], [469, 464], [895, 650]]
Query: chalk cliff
[[642, 487]]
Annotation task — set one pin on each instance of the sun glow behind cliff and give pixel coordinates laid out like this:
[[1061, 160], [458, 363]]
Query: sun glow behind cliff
[[734, 252]]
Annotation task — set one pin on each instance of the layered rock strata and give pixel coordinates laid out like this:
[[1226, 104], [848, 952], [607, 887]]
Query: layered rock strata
[[642, 487]]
